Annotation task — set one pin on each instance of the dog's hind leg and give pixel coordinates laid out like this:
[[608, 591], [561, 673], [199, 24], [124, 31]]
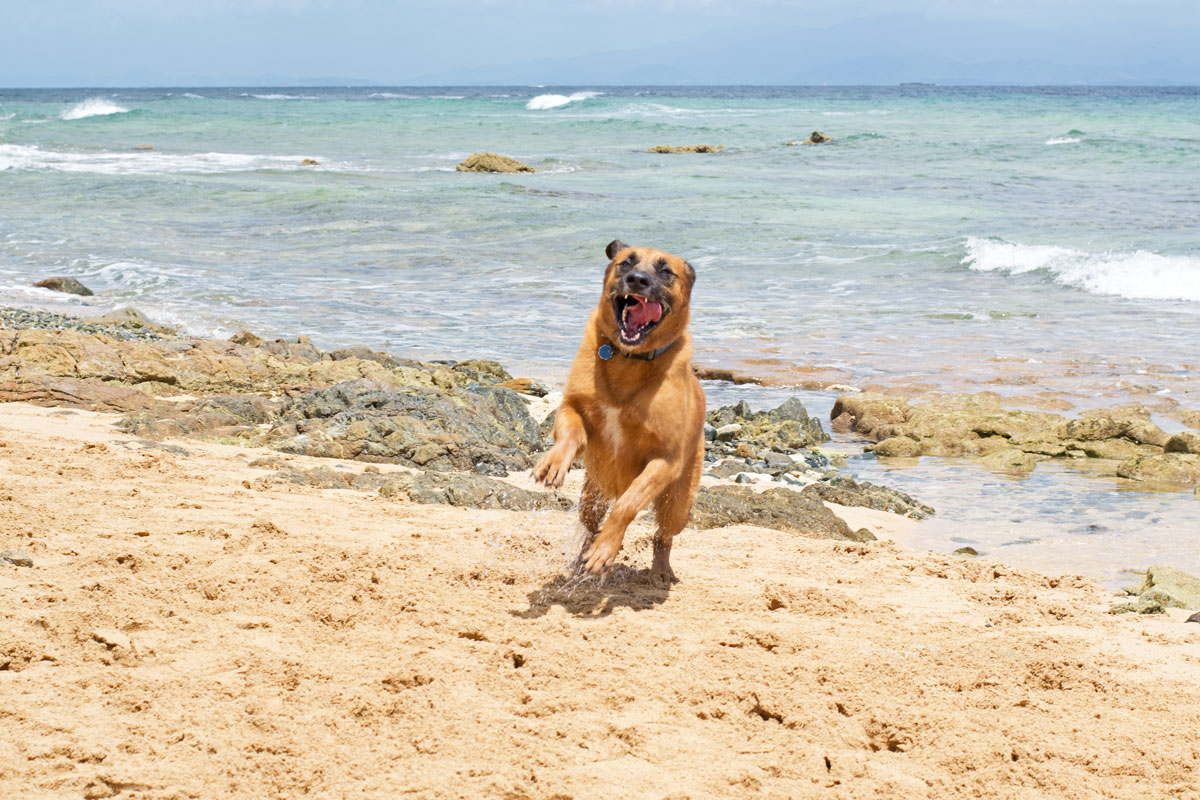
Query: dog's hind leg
[[671, 510]]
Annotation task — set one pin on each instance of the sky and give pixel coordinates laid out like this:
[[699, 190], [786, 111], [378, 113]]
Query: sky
[[93, 43]]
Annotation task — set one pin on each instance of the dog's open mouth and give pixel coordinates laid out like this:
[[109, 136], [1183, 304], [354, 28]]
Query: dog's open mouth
[[636, 316]]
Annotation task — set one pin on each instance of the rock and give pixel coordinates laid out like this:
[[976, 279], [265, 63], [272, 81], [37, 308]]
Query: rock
[[129, 317], [90, 394], [786, 429], [1185, 442], [966, 551], [16, 558], [65, 284], [247, 338], [781, 509], [1140, 607], [845, 491], [491, 162], [144, 147], [727, 433], [488, 373], [690, 148], [896, 447], [1010, 460], [1169, 587], [816, 137], [526, 386], [1194, 617], [310, 162], [710, 433], [1168, 469]]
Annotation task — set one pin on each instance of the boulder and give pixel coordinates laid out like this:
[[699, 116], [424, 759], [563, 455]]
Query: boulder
[[1168, 469], [845, 491], [781, 509], [310, 162], [1169, 587], [688, 148], [129, 317], [1185, 442], [65, 284], [491, 162]]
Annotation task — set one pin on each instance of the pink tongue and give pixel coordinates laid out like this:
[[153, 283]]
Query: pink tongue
[[642, 313]]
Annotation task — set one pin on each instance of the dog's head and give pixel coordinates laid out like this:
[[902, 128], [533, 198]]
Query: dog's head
[[646, 294]]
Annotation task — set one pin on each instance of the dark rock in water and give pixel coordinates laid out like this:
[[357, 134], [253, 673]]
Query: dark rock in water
[[16, 557], [1169, 587], [782, 509], [785, 429], [65, 284], [966, 551], [310, 162], [816, 137], [846, 491], [491, 162], [687, 148]]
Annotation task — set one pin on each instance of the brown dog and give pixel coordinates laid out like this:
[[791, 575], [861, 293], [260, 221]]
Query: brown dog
[[633, 408]]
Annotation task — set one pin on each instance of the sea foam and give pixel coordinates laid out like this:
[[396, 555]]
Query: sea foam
[[92, 107], [1136, 275], [545, 101], [27, 157]]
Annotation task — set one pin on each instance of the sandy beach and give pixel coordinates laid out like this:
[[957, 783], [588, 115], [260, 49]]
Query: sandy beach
[[188, 630]]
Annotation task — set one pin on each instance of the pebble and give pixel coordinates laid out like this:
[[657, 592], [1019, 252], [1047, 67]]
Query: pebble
[[16, 557], [21, 319]]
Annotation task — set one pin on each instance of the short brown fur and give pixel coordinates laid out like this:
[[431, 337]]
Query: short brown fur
[[638, 423]]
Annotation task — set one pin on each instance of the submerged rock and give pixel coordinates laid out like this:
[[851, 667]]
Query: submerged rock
[[1167, 469], [65, 284], [688, 148], [129, 317], [310, 162], [781, 509], [491, 162]]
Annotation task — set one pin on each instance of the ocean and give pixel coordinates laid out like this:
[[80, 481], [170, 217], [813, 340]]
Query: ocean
[[1036, 242]]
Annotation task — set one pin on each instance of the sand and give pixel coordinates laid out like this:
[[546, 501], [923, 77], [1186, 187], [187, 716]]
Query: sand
[[183, 635]]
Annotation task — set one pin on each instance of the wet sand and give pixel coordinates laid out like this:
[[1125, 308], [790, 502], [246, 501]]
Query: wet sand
[[182, 635]]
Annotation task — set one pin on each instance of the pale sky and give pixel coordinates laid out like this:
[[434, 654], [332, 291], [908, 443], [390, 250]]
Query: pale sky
[[196, 42]]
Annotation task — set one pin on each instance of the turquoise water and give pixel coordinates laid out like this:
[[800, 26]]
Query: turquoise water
[[1028, 241]]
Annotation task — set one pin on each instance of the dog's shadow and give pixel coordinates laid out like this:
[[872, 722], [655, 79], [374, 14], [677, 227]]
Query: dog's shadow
[[589, 596]]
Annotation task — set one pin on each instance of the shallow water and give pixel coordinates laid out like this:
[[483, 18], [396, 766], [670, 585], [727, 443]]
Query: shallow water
[[1035, 242]]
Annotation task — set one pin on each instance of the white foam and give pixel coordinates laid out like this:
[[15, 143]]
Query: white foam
[[92, 107], [1137, 275], [1064, 140], [282, 96], [393, 96], [24, 157], [545, 101]]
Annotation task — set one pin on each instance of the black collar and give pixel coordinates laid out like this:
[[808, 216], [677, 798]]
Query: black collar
[[606, 351]]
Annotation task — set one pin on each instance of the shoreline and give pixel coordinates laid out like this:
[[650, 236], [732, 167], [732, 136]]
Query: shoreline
[[189, 629]]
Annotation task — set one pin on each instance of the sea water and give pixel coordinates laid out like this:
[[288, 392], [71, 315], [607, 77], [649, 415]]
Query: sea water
[[1042, 243]]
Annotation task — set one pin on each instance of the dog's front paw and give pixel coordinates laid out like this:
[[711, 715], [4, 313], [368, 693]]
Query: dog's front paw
[[601, 555], [552, 468]]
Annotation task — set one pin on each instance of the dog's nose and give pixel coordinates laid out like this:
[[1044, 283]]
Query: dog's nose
[[636, 283]]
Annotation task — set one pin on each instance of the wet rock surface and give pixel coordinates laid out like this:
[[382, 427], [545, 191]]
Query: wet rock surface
[[491, 162], [816, 137], [1123, 441], [687, 148], [65, 284]]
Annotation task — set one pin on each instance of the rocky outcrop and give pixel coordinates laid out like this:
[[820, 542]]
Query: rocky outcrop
[[310, 162], [688, 148], [65, 284], [1007, 440], [1164, 587], [786, 429], [779, 508], [816, 137], [491, 162], [845, 491]]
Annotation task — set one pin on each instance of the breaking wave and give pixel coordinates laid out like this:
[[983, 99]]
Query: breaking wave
[[1138, 275], [92, 107], [26, 157], [545, 101]]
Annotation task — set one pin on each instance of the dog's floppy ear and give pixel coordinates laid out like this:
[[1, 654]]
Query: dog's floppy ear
[[614, 247]]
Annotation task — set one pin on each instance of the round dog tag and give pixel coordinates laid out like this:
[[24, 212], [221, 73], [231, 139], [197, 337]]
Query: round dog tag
[[605, 352]]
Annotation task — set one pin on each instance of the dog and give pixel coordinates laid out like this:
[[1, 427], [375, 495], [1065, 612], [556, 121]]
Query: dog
[[633, 408]]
